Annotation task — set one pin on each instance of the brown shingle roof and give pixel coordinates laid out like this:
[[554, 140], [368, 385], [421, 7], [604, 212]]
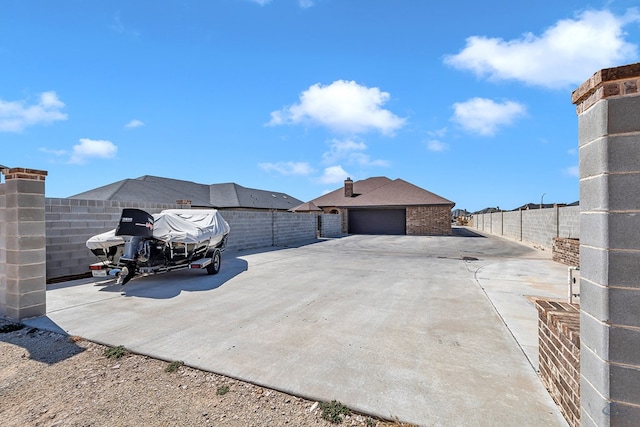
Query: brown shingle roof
[[306, 207], [381, 192]]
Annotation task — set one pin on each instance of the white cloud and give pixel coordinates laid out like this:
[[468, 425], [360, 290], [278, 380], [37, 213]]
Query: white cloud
[[352, 150], [56, 153], [288, 168], [572, 171], [90, 148], [437, 146], [565, 54], [134, 123], [485, 116], [438, 133], [119, 27], [572, 151], [333, 175], [17, 115], [261, 2], [343, 106], [342, 148]]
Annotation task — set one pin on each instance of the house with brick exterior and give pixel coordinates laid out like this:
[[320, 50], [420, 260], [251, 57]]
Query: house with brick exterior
[[226, 196], [379, 205]]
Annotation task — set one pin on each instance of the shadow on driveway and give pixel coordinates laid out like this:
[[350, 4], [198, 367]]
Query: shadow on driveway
[[464, 232], [171, 284]]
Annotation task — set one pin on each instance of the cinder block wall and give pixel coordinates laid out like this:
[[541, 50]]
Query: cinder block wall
[[249, 229], [3, 249], [540, 226], [331, 225], [291, 228], [569, 222], [512, 225], [429, 220], [497, 223], [70, 222], [537, 227]]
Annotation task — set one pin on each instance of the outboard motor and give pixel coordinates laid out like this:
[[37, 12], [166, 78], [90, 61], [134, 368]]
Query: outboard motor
[[135, 225]]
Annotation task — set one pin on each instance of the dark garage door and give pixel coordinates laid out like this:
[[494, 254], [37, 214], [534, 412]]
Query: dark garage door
[[377, 221]]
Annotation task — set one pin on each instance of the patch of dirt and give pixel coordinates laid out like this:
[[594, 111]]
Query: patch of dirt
[[49, 379]]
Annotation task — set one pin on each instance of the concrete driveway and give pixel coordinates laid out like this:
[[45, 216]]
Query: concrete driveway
[[394, 326]]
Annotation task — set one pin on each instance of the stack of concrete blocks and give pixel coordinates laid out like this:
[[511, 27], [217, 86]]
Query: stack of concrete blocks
[[608, 107], [22, 244]]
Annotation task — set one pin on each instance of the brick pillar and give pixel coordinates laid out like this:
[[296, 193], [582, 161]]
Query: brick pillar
[[608, 107], [22, 244]]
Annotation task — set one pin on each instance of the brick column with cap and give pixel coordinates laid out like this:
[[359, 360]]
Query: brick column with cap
[[22, 244], [608, 108]]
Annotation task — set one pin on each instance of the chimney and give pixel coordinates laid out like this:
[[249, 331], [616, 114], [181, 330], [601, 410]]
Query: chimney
[[348, 187]]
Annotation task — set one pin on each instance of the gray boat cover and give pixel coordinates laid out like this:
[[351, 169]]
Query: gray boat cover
[[175, 226]]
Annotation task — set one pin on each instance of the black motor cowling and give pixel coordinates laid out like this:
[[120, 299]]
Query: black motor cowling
[[135, 222]]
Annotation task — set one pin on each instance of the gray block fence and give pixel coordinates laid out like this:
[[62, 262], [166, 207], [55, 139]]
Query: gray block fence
[[70, 222], [536, 227]]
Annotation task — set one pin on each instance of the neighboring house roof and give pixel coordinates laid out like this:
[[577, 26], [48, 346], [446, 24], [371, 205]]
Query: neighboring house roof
[[534, 206], [155, 189], [306, 207], [460, 212], [486, 210], [381, 192]]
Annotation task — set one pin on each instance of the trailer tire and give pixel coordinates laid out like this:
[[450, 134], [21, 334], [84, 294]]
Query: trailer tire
[[214, 267]]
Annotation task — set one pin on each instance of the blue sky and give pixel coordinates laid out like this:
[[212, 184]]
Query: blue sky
[[470, 100]]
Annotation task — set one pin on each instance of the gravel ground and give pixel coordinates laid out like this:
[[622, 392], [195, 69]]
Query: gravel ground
[[49, 379]]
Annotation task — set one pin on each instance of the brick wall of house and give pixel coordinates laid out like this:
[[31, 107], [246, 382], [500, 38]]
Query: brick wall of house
[[566, 251], [559, 354], [429, 220]]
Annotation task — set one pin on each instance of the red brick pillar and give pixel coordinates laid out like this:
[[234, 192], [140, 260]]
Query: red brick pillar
[[22, 244]]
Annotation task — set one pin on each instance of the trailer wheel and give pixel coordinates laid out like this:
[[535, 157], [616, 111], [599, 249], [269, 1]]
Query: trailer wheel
[[214, 267]]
